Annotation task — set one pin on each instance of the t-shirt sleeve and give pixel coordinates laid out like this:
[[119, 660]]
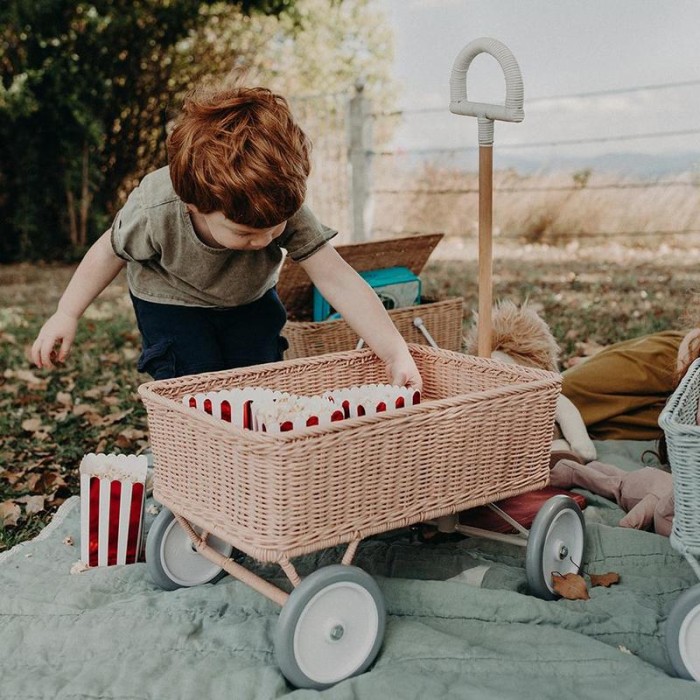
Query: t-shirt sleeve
[[304, 235], [132, 238]]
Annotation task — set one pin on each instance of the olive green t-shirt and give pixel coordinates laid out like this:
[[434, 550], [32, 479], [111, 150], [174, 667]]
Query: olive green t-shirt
[[167, 263]]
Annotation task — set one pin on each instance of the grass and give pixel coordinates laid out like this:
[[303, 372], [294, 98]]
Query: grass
[[590, 296]]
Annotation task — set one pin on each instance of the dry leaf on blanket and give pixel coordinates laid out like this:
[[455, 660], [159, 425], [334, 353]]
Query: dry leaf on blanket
[[78, 568], [570, 586], [607, 580]]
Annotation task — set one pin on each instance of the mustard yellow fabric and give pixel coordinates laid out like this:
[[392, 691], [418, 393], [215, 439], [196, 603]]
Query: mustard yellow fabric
[[621, 390]]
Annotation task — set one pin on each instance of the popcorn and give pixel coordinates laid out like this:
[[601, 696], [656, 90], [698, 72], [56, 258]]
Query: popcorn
[[370, 399], [112, 498], [278, 412], [279, 415]]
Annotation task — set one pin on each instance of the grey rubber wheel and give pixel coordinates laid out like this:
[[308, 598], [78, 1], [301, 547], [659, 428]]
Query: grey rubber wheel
[[555, 543], [330, 628], [683, 634], [172, 560]]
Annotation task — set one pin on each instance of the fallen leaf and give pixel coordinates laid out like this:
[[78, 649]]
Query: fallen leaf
[[32, 425], [48, 482], [82, 408], [589, 348], [78, 568], [10, 477], [9, 513], [607, 580], [570, 586], [113, 418], [26, 375], [6, 337], [32, 504], [64, 398]]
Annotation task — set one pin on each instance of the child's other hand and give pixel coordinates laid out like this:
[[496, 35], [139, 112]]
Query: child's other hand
[[403, 372], [60, 328]]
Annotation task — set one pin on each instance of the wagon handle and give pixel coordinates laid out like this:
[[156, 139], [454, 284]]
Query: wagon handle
[[511, 111]]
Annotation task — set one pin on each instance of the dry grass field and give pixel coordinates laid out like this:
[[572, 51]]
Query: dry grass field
[[554, 208], [592, 290]]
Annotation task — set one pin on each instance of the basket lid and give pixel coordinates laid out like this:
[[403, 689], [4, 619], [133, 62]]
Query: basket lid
[[295, 288]]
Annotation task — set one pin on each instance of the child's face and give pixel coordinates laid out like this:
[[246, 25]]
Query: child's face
[[220, 232]]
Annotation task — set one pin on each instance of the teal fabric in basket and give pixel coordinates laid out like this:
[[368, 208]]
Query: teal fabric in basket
[[460, 623]]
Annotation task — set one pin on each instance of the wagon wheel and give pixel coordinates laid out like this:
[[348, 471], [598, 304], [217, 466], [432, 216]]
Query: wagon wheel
[[172, 560], [555, 544], [330, 628], [683, 634]]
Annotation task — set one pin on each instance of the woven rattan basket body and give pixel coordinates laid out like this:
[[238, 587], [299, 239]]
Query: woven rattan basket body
[[442, 319], [679, 423], [481, 433]]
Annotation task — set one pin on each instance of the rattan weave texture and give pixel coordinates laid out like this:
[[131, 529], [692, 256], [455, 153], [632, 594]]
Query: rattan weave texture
[[442, 319], [481, 433], [679, 423]]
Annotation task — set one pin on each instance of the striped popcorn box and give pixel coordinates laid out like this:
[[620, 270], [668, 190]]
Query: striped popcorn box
[[112, 497], [230, 405], [280, 415], [369, 399]]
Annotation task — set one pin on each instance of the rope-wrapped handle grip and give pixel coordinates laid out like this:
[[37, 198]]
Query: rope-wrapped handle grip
[[511, 111]]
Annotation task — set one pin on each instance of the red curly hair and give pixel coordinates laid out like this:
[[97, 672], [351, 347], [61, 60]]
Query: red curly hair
[[240, 152]]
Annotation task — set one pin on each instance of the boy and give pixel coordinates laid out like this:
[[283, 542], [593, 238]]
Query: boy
[[202, 243]]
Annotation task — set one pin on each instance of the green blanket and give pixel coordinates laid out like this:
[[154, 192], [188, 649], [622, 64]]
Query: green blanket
[[110, 633]]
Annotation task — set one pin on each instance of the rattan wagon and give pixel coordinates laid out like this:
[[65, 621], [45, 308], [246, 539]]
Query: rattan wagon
[[679, 420], [481, 433]]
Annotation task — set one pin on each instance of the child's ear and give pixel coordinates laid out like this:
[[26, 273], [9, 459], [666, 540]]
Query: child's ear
[[192, 208]]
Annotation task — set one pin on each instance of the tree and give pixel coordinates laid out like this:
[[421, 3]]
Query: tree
[[322, 47], [85, 92], [88, 90]]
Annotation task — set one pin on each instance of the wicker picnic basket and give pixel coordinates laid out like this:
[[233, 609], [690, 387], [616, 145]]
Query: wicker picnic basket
[[680, 425], [442, 318], [481, 433]]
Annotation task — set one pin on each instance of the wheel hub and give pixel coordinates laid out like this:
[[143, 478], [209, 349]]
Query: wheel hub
[[336, 633]]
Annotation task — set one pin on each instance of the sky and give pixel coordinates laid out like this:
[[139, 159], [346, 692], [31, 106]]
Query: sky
[[563, 47]]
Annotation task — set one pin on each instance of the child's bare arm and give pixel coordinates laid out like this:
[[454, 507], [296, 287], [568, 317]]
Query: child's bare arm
[[358, 304], [96, 270]]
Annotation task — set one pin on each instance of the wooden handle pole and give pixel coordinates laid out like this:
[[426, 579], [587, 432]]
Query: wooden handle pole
[[485, 250]]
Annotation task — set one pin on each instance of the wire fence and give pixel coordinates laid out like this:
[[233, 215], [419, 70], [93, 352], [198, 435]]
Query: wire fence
[[367, 189]]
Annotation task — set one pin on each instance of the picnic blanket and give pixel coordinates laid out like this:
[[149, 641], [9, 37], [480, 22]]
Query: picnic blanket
[[460, 622]]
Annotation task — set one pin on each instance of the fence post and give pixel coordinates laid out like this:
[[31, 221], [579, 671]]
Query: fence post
[[359, 143]]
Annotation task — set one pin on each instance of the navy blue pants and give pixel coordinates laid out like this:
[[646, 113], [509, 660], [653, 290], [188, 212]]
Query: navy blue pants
[[179, 340]]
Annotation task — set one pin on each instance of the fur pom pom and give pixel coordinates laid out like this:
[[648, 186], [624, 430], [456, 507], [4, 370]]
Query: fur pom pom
[[520, 333]]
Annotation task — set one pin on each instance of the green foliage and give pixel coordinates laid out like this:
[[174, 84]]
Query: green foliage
[[86, 91]]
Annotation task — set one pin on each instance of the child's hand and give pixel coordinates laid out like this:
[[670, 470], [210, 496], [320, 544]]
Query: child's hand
[[61, 327], [403, 372]]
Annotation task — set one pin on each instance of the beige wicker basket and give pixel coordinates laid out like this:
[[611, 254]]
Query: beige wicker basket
[[482, 433], [442, 318]]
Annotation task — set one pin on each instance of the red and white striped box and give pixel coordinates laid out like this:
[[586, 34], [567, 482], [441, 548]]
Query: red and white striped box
[[112, 498], [281, 414], [231, 405], [368, 399]]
